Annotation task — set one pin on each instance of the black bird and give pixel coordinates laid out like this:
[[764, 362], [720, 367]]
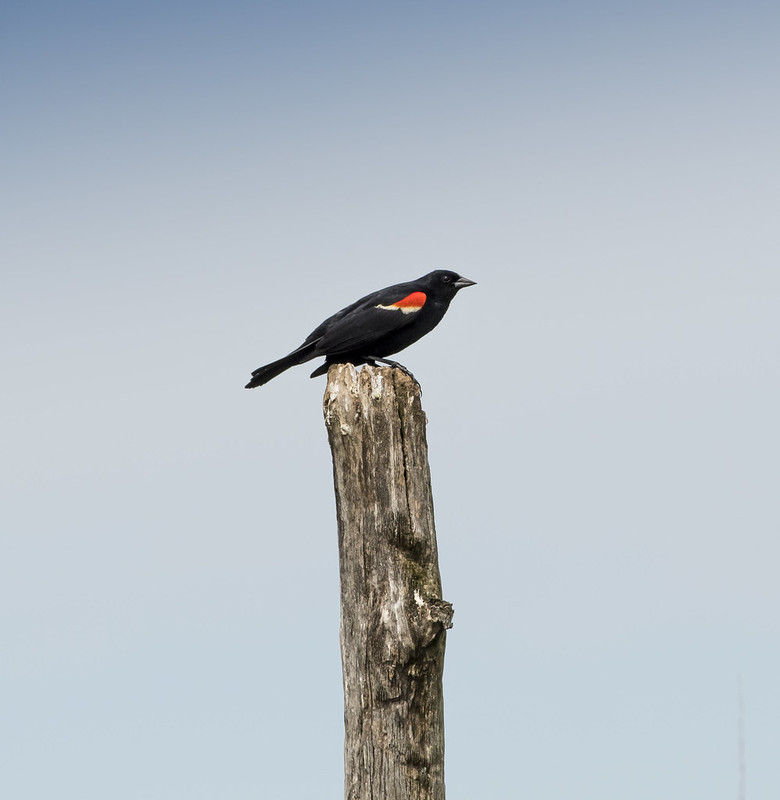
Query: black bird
[[377, 325]]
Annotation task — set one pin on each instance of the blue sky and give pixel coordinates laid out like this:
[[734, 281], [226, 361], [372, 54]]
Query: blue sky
[[190, 189]]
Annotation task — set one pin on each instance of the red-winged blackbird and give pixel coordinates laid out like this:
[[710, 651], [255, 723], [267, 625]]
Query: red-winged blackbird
[[376, 326]]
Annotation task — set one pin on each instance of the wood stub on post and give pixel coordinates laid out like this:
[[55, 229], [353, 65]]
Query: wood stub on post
[[393, 619]]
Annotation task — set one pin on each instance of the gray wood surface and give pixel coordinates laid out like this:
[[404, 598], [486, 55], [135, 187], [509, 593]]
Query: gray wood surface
[[393, 620]]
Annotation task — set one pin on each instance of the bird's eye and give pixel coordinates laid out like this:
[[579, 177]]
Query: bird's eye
[[446, 278]]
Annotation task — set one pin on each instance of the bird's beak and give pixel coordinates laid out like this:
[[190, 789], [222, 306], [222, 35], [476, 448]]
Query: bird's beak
[[462, 283]]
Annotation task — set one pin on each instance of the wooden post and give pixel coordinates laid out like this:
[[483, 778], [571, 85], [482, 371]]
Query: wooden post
[[393, 619]]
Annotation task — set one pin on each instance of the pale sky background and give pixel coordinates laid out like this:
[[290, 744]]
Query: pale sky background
[[190, 188]]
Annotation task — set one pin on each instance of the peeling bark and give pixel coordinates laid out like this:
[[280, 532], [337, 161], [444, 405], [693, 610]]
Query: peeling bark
[[393, 620]]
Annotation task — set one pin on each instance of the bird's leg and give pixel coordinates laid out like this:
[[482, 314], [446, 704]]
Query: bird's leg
[[373, 359]]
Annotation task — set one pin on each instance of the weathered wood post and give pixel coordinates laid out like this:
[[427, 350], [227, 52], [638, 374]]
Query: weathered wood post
[[393, 619]]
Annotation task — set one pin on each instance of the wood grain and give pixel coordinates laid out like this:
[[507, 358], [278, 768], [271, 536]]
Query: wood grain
[[393, 620]]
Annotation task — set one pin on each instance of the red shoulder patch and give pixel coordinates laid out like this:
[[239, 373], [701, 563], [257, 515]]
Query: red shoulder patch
[[412, 301], [407, 305]]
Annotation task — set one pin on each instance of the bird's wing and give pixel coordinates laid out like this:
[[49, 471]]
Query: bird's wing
[[356, 327]]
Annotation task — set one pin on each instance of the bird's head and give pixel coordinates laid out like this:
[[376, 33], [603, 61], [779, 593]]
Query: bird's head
[[446, 281]]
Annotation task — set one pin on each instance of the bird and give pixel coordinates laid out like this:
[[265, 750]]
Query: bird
[[376, 326]]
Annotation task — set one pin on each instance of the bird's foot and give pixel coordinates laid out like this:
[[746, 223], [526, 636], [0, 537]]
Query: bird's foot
[[372, 360]]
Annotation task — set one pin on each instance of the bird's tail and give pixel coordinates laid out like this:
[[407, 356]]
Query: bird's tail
[[264, 374]]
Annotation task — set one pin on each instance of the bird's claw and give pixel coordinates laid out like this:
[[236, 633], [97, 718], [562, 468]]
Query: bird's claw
[[373, 360]]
